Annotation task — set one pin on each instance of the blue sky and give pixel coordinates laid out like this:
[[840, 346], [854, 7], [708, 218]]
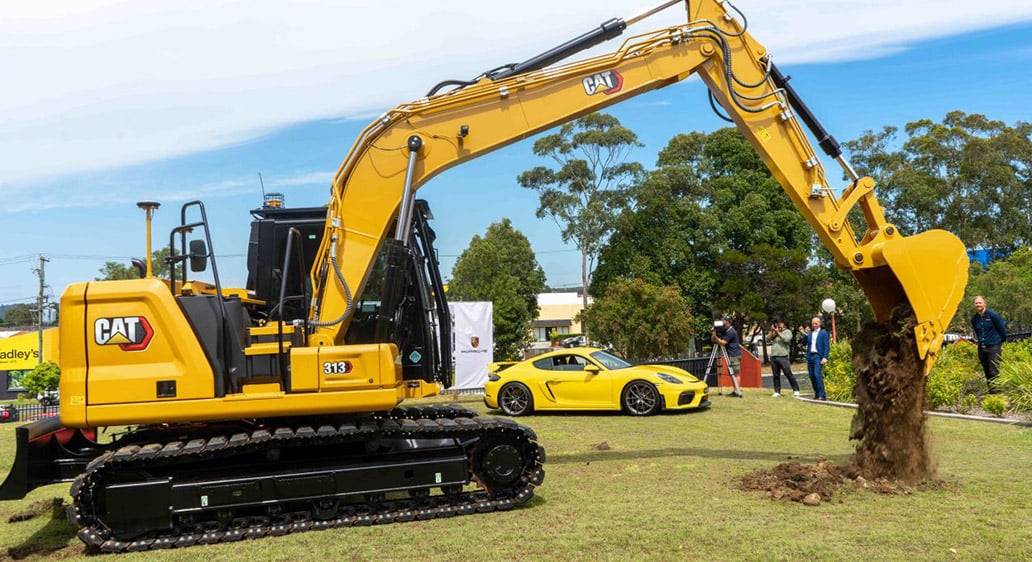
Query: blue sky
[[111, 118]]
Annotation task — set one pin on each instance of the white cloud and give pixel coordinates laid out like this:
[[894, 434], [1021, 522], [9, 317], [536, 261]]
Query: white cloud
[[95, 84], [320, 179], [22, 198]]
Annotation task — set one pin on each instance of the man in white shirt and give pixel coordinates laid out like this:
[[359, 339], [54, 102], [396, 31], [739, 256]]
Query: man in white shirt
[[818, 345]]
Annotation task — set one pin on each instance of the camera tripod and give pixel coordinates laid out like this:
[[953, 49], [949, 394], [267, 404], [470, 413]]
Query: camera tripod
[[713, 367]]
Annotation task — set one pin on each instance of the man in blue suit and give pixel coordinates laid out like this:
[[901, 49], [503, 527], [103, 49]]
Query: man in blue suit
[[817, 347]]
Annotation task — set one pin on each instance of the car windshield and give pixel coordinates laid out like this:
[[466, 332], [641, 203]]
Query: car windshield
[[610, 361]]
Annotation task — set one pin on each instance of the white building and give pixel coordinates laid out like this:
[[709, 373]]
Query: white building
[[557, 314]]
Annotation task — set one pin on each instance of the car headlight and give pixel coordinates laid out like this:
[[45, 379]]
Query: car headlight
[[493, 377], [669, 378]]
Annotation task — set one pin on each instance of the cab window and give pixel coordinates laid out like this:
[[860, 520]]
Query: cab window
[[562, 363]]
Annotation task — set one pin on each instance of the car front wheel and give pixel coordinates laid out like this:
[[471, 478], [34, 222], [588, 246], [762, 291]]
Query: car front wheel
[[640, 398], [515, 399]]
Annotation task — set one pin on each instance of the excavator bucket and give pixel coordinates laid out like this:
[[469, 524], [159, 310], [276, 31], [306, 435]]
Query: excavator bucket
[[928, 270]]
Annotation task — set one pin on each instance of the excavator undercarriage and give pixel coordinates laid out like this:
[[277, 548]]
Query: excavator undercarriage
[[163, 487]]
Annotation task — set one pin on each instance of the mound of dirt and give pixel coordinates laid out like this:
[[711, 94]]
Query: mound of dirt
[[794, 481], [892, 454], [812, 484]]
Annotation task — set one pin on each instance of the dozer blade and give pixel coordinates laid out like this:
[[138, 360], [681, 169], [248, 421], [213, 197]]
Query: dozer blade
[[928, 270], [47, 453]]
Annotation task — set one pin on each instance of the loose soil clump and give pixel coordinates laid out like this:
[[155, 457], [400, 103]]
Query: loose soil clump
[[892, 454]]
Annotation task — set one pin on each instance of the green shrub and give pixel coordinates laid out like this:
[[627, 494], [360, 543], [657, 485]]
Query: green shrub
[[956, 379], [839, 378], [967, 403], [1015, 378], [995, 404], [42, 377], [956, 373]]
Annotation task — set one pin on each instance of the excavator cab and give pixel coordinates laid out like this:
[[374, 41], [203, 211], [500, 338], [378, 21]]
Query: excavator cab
[[404, 303]]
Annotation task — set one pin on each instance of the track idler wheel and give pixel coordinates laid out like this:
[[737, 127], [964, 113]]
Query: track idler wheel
[[498, 464]]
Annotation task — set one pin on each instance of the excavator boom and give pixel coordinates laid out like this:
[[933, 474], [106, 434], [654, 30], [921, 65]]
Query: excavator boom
[[413, 142]]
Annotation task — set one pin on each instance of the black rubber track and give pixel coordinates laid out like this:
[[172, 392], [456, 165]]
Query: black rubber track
[[416, 422]]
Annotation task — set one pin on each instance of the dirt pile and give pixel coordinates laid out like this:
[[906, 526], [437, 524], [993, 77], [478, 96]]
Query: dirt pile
[[812, 484], [794, 481], [892, 453]]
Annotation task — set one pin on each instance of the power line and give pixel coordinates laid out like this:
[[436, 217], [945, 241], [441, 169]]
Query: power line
[[535, 253], [17, 259], [88, 257], [20, 300]]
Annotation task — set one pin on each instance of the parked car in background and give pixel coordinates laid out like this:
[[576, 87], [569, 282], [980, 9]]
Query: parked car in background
[[8, 413], [755, 344], [49, 397], [951, 337], [588, 378], [574, 341]]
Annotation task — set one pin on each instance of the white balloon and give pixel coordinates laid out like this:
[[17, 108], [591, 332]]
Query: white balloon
[[828, 305]]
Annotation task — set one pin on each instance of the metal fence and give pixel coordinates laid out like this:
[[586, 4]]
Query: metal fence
[[694, 365], [464, 391], [1018, 336], [32, 412]]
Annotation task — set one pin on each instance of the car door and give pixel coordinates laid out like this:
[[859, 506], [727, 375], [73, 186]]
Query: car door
[[576, 388]]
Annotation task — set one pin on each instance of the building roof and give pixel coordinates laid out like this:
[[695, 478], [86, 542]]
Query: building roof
[[558, 299], [564, 323]]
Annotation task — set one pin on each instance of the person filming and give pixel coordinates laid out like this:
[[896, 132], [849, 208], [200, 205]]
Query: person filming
[[727, 338], [780, 338]]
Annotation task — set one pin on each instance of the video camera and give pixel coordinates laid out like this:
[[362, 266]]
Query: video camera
[[720, 327]]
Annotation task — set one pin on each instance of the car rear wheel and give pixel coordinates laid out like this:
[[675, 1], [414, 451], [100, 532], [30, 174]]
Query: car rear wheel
[[515, 399], [640, 398]]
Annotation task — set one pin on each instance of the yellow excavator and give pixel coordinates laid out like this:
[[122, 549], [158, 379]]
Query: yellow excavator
[[276, 408]]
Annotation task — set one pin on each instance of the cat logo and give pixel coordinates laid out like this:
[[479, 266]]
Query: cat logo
[[607, 82], [474, 341], [131, 333]]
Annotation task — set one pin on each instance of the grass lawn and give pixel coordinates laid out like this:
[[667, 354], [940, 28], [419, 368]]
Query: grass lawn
[[665, 488]]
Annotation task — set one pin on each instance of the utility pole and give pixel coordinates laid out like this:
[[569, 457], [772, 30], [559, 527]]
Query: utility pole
[[41, 300]]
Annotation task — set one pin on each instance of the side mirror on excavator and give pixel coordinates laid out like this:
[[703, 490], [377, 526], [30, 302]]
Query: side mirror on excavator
[[198, 256]]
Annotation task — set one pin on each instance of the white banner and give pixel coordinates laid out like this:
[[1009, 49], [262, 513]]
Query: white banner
[[472, 342]]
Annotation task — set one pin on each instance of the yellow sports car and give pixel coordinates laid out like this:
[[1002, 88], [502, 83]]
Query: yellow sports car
[[587, 378]]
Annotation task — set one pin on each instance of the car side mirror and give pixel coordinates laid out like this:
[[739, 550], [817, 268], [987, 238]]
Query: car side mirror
[[593, 369]]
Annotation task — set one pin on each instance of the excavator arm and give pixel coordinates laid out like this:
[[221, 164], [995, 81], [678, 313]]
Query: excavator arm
[[396, 154]]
